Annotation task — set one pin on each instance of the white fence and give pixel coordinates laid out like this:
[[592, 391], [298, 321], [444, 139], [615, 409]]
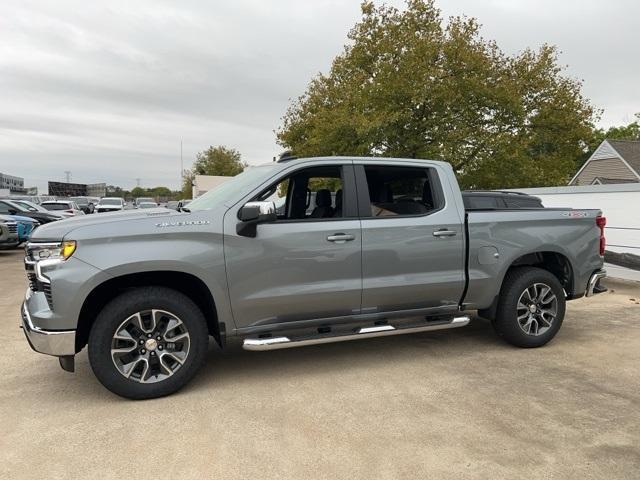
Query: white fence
[[619, 203]]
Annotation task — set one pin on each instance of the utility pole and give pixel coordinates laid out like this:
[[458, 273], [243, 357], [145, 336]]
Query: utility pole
[[67, 174]]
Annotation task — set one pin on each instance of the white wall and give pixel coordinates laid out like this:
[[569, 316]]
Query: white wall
[[619, 203], [203, 183]]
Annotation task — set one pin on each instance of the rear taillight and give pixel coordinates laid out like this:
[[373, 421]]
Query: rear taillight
[[601, 222]]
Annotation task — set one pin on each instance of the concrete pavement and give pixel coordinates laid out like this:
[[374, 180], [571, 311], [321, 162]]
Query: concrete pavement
[[451, 404]]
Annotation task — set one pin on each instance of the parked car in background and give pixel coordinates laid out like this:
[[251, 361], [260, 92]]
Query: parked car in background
[[110, 204], [8, 233], [37, 199], [172, 204], [67, 208], [21, 226], [138, 201], [85, 204], [7, 207], [498, 200], [148, 205]]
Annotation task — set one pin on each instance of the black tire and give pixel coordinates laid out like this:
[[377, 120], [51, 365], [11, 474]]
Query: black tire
[[506, 322], [123, 307]]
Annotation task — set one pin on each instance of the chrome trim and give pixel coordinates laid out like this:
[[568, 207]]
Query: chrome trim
[[276, 343], [594, 280], [58, 343]]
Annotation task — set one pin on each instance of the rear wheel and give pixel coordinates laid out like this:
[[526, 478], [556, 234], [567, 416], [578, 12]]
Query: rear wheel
[[531, 307], [148, 342]]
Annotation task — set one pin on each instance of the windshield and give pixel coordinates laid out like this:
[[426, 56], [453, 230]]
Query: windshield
[[144, 200], [80, 200], [232, 188], [29, 206], [110, 201], [148, 205]]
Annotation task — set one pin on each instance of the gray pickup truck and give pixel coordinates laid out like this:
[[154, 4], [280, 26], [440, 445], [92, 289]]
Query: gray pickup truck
[[299, 252]]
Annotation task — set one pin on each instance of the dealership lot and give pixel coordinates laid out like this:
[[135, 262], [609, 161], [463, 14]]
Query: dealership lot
[[454, 404]]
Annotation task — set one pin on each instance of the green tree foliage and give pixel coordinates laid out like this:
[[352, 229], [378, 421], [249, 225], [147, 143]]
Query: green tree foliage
[[218, 160], [630, 131], [187, 185], [409, 85]]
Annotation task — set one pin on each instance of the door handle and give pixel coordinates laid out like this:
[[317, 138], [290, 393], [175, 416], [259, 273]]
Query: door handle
[[340, 237], [444, 233]]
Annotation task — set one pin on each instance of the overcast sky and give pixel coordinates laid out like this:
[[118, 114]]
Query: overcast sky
[[108, 89]]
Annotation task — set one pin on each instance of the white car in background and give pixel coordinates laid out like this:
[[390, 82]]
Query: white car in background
[[148, 205], [66, 208], [110, 204]]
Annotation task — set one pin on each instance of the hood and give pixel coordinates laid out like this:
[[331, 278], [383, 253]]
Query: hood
[[56, 231]]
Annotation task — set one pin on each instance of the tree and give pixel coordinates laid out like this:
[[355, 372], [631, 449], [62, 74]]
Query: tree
[[630, 131], [218, 160], [407, 85], [187, 185]]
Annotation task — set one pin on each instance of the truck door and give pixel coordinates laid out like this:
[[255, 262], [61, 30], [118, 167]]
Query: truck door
[[307, 264], [412, 240]]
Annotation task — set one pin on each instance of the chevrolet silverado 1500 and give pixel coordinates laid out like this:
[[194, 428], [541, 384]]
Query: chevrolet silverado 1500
[[299, 252]]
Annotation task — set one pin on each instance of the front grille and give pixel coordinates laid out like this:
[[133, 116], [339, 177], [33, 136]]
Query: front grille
[[33, 282], [13, 227], [46, 288]]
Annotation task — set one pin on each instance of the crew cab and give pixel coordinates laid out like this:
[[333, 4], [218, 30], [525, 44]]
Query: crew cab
[[300, 252]]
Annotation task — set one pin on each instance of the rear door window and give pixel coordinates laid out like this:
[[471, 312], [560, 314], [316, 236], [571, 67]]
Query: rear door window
[[402, 191]]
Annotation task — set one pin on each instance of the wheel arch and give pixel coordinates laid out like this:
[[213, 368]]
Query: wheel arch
[[558, 264], [185, 283]]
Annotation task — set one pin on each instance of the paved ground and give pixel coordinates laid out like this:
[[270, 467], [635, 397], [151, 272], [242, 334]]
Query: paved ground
[[457, 404]]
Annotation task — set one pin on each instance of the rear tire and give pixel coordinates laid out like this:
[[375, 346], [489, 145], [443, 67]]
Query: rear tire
[[531, 307], [148, 342]]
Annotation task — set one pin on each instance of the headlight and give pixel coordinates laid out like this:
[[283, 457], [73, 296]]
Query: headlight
[[51, 251]]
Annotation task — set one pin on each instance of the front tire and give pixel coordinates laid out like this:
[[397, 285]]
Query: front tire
[[148, 342], [531, 307]]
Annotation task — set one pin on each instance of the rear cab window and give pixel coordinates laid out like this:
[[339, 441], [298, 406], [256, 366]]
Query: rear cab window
[[401, 191]]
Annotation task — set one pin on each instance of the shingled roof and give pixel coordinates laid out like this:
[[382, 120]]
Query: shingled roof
[[629, 150]]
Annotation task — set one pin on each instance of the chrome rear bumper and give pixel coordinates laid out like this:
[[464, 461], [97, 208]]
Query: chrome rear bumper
[[593, 281], [58, 343]]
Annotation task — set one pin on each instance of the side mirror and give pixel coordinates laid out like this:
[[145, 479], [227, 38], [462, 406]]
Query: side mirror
[[253, 213]]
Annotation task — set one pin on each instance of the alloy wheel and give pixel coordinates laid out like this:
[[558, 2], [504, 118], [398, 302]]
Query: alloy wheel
[[150, 346], [537, 308]]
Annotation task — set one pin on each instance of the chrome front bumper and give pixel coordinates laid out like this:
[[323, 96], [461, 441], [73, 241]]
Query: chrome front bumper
[[51, 342], [593, 281]]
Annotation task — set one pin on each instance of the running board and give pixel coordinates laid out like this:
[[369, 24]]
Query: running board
[[275, 343]]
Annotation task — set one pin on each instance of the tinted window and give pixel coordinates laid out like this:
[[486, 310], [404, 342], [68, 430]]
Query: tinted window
[[523, 202], [57, 206], [397, 191], [481, 201]]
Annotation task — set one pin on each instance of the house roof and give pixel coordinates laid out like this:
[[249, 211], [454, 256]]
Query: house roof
[[613, 181], [629, 150]]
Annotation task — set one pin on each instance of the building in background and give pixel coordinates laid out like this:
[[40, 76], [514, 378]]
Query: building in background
[[15, 185], [203, 183], [97, 190], [64, 189], [614, 161]]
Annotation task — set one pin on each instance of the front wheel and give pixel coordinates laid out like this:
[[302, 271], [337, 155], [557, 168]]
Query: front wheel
[[148, 342], [531, 307]]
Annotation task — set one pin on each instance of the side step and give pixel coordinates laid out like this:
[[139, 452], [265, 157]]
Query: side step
[[276, 343]]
